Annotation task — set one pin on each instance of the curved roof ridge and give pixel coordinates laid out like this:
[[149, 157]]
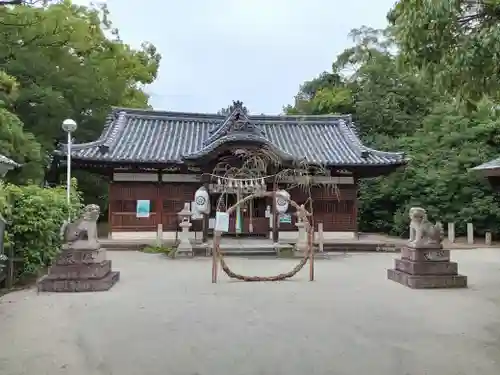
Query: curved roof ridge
[[7, 161], [236, 121], [349, 131], [234, 137], [149, 136], [149, 112], [115, 131], [109, 125], [305, 118]]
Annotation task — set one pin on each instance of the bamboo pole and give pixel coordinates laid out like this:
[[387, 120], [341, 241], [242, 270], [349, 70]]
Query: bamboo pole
[[311, 252], [215, 251]]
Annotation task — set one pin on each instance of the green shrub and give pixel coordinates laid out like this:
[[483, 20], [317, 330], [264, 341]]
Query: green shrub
[[159, 250], [34, 215]]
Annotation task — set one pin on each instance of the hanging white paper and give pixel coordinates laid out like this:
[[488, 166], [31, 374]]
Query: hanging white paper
[[221, 221], [211, 223]]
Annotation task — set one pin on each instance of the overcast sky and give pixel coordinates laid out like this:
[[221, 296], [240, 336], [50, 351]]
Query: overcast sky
[[257, 51]]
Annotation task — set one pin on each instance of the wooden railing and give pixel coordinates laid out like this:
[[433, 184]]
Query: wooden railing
[[128, 221]]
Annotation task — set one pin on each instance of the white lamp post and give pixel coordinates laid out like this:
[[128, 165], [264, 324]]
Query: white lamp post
[[69, 126]]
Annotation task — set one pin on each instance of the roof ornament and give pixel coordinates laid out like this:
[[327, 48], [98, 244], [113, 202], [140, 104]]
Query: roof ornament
[[238, 104], [236, 122]]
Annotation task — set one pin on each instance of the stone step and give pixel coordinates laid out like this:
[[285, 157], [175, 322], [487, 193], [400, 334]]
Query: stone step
[[248, 252], [79, 285], [79, 271], [427, 281], [427, 267]]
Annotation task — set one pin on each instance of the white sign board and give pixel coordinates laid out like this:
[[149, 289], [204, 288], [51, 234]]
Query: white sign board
[[221, 222]]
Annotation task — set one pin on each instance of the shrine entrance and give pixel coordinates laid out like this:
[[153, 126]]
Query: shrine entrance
[[251, 221]]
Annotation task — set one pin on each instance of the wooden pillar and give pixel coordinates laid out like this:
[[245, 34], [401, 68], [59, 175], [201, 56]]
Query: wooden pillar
[[487, 238], [451, 232], [275, 214], [320, 237], [110, 213], [470, 233], [355, 206], [159, 202], [205, 219]]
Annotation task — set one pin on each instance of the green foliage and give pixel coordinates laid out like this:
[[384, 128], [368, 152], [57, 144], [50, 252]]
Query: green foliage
[[82, 67], [437, 176], [399, 103], [15, 143], [455, 42], [35, 215], [61, 60], [155, 249], [323, 95]]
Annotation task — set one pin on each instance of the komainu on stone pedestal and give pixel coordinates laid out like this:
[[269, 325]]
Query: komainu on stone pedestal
[[82, 265], [424, 264]]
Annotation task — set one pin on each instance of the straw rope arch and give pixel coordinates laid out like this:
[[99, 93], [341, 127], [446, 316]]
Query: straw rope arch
[[309, 255]]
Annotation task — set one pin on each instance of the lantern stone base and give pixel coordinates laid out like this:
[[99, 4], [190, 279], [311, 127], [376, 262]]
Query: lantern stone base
[[425, 268], [184, 248], [80, 270], [301, 246]]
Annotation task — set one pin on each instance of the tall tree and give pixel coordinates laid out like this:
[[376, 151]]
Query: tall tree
[[70, 62], [325, 94], [396, 107], [15, 143], [454, 42]]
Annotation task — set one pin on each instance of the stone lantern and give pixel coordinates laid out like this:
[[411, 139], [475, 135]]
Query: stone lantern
[[184, 247]]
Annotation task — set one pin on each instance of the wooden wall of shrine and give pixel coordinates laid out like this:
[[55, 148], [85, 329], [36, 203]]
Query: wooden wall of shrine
[[336, 210]]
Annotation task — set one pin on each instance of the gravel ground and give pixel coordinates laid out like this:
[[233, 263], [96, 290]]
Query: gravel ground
[[165, 317]]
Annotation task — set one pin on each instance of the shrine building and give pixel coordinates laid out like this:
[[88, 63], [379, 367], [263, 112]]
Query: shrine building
[[155, 161], [491, 171]]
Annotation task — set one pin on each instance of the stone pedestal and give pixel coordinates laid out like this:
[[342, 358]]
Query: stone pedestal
[[184, 248], [301, 245], [79, 269], [425, 268]]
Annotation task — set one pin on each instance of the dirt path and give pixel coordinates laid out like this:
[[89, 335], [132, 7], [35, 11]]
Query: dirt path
[[165, 317]]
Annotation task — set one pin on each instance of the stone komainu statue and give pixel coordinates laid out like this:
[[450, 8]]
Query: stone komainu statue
[[82, 230], [422, 232]]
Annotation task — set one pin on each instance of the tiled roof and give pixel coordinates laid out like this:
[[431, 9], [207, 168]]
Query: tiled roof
[[492, 164], [148, 136], [7, 161]]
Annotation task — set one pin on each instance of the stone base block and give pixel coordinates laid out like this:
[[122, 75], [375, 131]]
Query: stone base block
[[81, 256], [426, 268], [79, 285], [425, 254], [427, 281], [184, 251], [80, 271]]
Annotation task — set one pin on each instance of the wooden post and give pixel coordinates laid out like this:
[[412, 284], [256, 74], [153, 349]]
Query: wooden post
[[110, 212], [215, 250], [204, 224], [451, 232], [320, 237], [275, 215], [311, 252], [250, 214], [470, 233], [487, 238], [159, 235]]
